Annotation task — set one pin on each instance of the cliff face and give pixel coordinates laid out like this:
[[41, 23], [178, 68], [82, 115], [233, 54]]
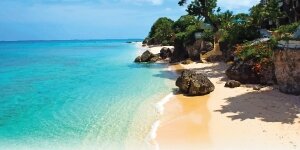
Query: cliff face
[[287, 70]]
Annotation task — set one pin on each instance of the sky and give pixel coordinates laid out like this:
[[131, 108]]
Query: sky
[[91, 19]]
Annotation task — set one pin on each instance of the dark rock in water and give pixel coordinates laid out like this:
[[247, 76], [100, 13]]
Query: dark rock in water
[[165, 52], [144, 45], [146, 56], [187, 61], [232, 84], [155, 59], [242, 71], [194, 84], [137, 59], [129, 42]]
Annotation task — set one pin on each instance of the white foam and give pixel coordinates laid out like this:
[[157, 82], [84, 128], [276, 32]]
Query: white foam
[[160, 105]]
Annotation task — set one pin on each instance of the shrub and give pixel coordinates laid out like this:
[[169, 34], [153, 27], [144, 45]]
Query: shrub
[[162, 31], [256, 52], [290, 28], [261, 54]]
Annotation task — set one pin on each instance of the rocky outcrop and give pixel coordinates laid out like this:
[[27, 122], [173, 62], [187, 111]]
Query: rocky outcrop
[[232, 84], [165, 52], [192, 83], [287, 70], [242, 71], [155, 58], [197, 48], [146, 56]]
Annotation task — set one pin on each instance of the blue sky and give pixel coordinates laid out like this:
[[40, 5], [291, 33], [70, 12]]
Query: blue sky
[[90, 19]]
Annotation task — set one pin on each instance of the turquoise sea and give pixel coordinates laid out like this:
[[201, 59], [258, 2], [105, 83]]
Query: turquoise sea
[[76, 95]]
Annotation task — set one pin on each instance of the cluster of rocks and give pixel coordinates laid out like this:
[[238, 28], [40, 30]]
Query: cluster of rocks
[[148, 57], [193, 83]]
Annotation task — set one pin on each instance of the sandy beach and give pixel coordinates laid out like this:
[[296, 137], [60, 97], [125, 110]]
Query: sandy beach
[[239, 118]]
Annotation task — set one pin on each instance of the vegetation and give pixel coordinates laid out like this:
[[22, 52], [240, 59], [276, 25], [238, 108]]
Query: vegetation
[[266, 15], [186, 27], [161, 32], [261, 54], [290, 28]]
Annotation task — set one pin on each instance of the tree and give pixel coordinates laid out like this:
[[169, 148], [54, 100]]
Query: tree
[[269, 13], [184, 22], [161, 32], [205, 9], [257, 15]]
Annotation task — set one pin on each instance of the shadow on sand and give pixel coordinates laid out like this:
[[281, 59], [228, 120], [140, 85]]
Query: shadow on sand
[[269, 106]]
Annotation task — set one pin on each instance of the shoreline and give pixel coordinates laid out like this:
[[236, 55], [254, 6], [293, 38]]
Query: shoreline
[[239, 118]]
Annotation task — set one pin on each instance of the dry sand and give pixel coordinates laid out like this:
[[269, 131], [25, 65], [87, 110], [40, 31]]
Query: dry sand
[[239, 118]]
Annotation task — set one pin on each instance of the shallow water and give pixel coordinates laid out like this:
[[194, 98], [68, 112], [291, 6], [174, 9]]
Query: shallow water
[[73, 93]]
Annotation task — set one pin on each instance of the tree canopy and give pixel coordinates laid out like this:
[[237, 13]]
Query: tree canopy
[[205, 9], [161, 32]]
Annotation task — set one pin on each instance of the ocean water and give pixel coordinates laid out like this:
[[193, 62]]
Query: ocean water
[[76, 94]]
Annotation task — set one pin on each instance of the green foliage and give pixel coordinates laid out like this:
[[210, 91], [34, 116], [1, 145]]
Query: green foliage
[[290, 28], [257, 52], [205, 9], [264, 13], [238, 33], [162, 31], [186, 27], [184, 22], [208, 35]]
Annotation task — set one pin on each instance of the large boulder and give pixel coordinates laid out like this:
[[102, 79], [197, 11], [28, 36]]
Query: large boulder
[[287, 70], [197, 48], [243, 72], [192, 83], [146, 56]]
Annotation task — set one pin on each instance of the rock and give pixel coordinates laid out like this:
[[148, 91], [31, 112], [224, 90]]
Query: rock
[[242, 71], [155, 59], [137, 59], [287, 70], [165, 52], [146, 56], [232, 84], [197, 48], [187, 61], [194, 84], [257, 87]]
